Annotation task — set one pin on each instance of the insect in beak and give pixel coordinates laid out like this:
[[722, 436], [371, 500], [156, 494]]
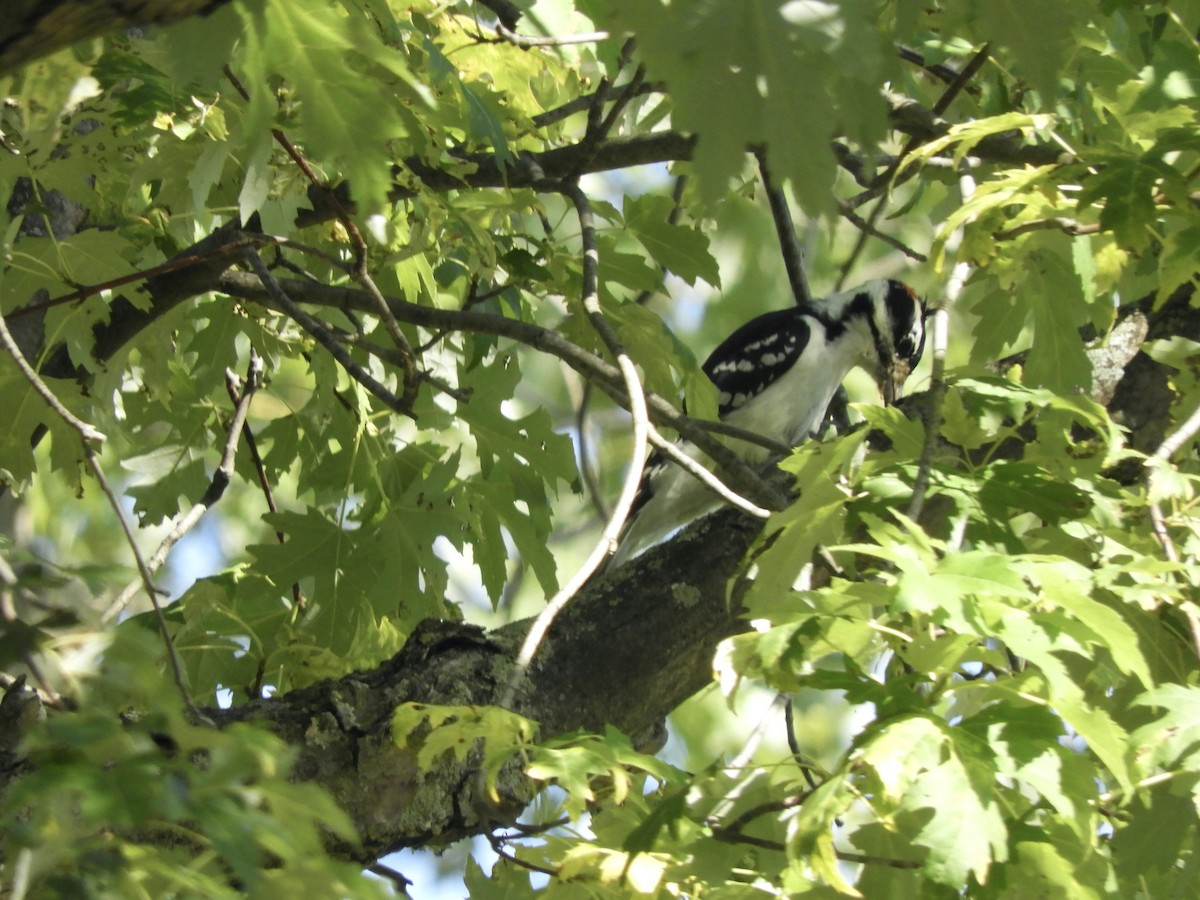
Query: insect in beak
[[891, 380]]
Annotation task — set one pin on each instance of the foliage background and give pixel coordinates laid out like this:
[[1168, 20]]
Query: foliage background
[[994, 683]]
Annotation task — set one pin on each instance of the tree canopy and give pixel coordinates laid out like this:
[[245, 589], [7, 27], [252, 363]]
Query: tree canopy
[[336, 333]]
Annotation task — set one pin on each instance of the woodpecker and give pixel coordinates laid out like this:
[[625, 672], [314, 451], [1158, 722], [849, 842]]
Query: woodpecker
[[776, 376]]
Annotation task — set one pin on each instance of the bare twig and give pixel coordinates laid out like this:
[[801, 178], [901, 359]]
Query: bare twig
[[171, 265], [389, 355], [548, 40], [234, 388], [216, 488], [805, 764], [866, 228], [590, 481], [584, 102], [641, 427], [941, 72], [399, 881], [147, 582], [1162, 457], [868, 860], [599, 125], [89, 433], [763, 809], [785, 228], [360, 272], [88, 436], [733, 834], [884, 181], [939, 340], [711, 481], [1058, 223], [322, 334], [500, 850]]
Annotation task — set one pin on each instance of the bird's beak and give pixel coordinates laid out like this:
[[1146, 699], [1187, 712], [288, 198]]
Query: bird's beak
[[891, 380]]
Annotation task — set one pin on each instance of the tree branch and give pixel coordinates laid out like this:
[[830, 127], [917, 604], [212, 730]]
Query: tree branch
[[606, 376], [785, 228], [216, 488], [641, 425]]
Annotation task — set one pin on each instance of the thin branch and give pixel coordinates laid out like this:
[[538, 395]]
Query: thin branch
[[560, 162], [941, 72], [707, 478], [171, 265], [394, 357], [785, 228], [806, 765], [500, 850], [641, 427], [868, 860], [147, 582], [1059, 223], [584, 102], [322, 334], [216, 488], [1162, 456], [590, 481], [88, 433], [884, 182], [736, 837], [762, 809], [606, 376], [738, 433], [399, 881], [733, 834], [525, 829], [234, 388], [866, 228], [538, 40], [599, 125], [1184, 433], [627, 93], [360, 273], [939, 341], [88, 436]]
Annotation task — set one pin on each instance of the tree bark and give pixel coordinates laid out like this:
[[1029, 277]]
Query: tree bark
[[30, 29]]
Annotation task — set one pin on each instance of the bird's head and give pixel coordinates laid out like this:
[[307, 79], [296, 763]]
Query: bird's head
[[894, 316]]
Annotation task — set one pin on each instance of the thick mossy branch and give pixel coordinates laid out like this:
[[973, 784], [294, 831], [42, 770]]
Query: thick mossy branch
[[630, 648]]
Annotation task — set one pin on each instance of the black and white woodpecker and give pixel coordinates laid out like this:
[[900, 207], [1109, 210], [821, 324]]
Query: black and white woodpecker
[[776, 376]]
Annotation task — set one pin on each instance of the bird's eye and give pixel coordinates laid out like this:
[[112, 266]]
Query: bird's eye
[[905, 348]]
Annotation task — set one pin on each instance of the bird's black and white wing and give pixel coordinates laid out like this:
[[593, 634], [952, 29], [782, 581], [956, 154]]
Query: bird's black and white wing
[[755, 356]]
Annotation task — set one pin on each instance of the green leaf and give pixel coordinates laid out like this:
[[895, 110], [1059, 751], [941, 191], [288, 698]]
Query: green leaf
[[1057, 359], [680, 250], [318, 549], [327, 57], [1174, 738], [1127, 186], [1039, 36], [1039, 640], [1028, 487], [436, 730], [732, 71], [815, 518], [935, 782]]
